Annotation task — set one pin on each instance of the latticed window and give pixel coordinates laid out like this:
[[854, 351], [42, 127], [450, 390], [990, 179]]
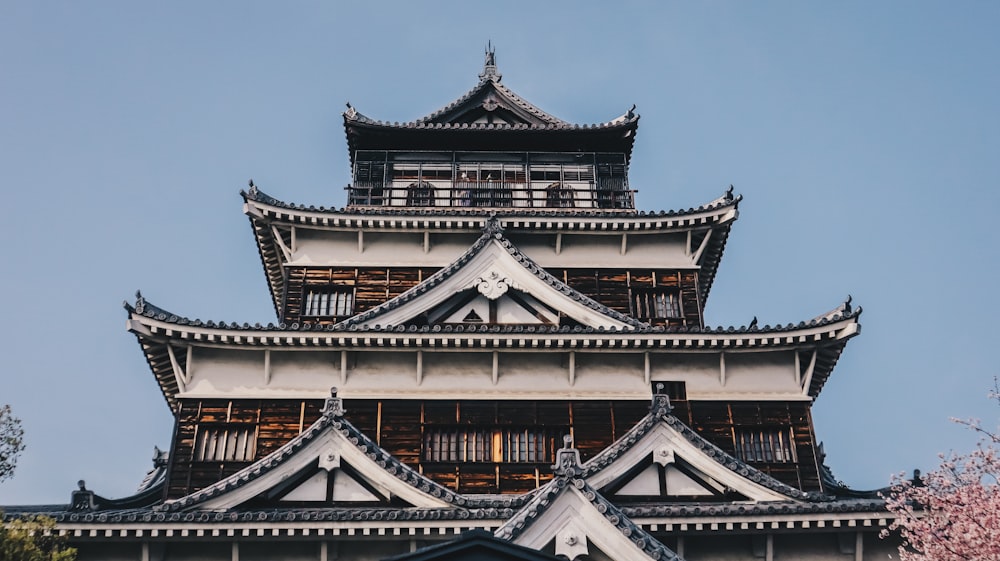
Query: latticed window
[[420, 194], [225, 444], [769, 445], [330, 302], [558, 196], [507, 445], [657, 304]]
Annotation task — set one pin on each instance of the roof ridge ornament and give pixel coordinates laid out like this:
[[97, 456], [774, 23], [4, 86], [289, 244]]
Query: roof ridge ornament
[[493, 228], [334, 406], [140, 302], [568, 463], [490, 71], [660, 405]]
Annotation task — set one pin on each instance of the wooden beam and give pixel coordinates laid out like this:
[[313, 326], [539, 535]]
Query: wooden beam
[[809, 372], [179, 373], [624, 243], [295, 244], [267, 366], [235, 555], [722, 368], [496, 367], [646, 367], [687, 246], [343, 367], [558, 243], [572, 367], [798, 369], [361, 241], [420, 367], [285, 250], [701, 248], [427, 241]]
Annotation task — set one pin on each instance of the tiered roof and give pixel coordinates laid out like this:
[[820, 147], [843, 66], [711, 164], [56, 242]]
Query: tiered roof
[[490, 117]]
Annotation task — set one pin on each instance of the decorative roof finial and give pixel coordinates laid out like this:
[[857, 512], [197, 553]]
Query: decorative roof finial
[[729, 192], [490, 71], [493, 227], [253, 188], [661, 400], [847, 304], [568, 463], [82, 499], [334, 406], [140, 302]]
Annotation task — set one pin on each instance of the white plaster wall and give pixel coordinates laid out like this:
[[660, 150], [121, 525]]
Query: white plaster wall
[[761, 372], [406, 249], [304, 370], [598, 374], [225, 372], [758, 374]]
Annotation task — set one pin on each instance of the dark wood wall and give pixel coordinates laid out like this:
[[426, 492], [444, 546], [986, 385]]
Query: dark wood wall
[[400, 426], [615, 288]]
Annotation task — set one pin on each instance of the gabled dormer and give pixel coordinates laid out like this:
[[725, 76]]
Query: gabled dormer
[[490, 148]]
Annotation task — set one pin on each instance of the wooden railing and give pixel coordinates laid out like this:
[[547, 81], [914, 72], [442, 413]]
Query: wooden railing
[[608, 193]]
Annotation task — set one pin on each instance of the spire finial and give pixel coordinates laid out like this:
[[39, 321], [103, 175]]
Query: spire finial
[[568, 463], [490, 71], [334, 406]]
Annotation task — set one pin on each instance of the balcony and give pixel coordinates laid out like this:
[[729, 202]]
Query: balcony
[[605, 193]]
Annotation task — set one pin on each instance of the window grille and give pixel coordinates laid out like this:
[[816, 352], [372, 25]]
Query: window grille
[[531, 445], [225, 444], [558, 196], [420, 194], [330, 303], [657, 304], [765, 445]]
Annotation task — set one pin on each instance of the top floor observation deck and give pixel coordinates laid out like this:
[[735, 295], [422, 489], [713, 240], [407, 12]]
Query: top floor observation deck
[[555, 181], [490, 149]]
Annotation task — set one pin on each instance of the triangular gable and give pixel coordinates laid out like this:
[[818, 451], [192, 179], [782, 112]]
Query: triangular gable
[[475, 545], [330, 462], [491, 102], [664, 455], [497, 276], [570, 518]]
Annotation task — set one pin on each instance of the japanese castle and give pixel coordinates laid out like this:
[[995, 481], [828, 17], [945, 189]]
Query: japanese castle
[[488, 353]]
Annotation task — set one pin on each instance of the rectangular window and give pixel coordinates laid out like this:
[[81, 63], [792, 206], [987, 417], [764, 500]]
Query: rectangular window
[[507, 445], [327, 302], [225, 444], [766, 445], [657, 304]]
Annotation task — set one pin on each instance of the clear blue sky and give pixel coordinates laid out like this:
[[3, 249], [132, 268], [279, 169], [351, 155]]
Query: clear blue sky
[[865, 137]]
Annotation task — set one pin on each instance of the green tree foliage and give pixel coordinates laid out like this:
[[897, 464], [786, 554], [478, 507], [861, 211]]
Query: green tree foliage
[[11, 442], [33, 539]]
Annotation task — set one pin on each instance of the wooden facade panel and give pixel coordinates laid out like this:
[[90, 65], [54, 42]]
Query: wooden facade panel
[[720, 423], [474, 412], [368, 287], [399, 425]]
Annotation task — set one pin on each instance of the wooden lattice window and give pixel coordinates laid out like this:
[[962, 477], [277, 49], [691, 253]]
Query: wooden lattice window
[[558, 196], [225, 444], [657, 304], [501, 445], [330, 302], [420, 194], [765, 445]]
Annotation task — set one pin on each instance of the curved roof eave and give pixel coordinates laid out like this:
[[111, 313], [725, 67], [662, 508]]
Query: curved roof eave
[[260, 206]]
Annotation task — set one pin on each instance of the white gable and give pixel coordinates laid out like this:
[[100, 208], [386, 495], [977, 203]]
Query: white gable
[[577, 523], [665, 460], [310, 464], [492, 278]]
